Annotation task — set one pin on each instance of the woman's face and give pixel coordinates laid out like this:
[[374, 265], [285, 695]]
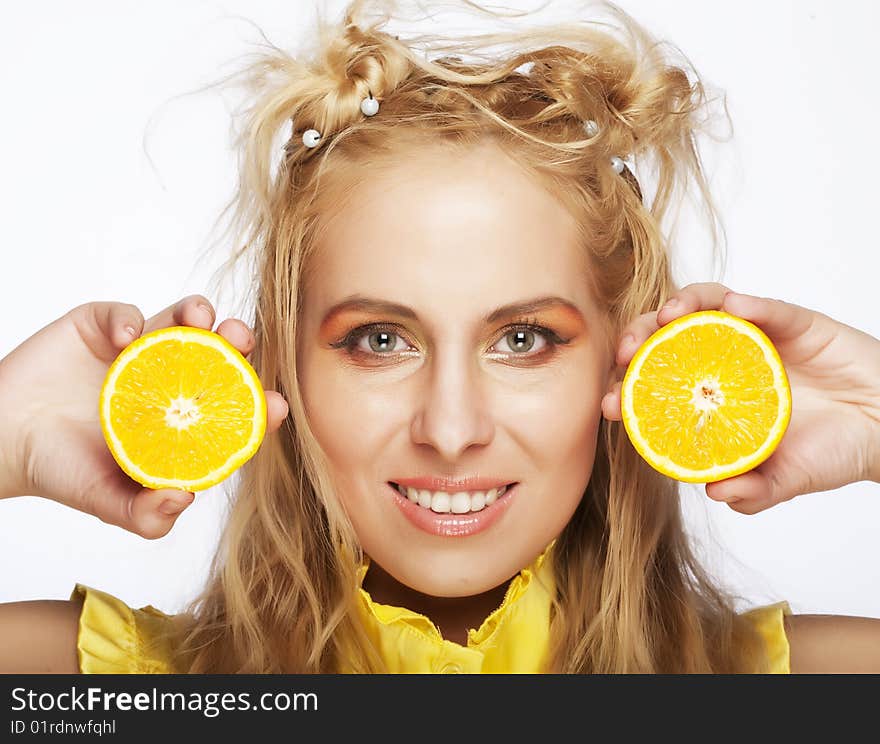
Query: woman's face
[[449, 345]]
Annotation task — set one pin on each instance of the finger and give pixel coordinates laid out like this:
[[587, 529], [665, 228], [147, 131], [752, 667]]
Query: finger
[[750, 492], [276, 410], [154, 513], [123, 322], [634, 335], [144, 511], [778, 319], [238, 334], [611, 404], [691, 299], [694, 297], [194, 311], [104, 326]]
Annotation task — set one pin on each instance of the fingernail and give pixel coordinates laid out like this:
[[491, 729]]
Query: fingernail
[[171, 507], [629, 340], [130, 331], [671, 303], [205, 309]]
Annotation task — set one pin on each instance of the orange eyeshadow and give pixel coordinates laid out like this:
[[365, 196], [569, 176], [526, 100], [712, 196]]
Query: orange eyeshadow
[[565, 320], [336, 325]]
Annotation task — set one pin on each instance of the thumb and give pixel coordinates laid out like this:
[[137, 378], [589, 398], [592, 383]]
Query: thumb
[[146, 512], [758, 489], [154, 513]]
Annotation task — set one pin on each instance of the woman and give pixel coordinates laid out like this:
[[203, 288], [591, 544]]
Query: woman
[[450, 260]]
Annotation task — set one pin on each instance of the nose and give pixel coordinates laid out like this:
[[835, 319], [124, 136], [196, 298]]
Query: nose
[[453, 414]]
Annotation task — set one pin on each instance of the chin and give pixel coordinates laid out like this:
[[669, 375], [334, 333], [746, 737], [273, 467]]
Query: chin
[[449, 573]]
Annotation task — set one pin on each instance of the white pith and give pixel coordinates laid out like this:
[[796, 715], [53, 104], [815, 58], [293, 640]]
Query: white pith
[[182, 413]]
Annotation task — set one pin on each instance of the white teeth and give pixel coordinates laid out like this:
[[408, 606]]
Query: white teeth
[[440, 502], [460, 502]]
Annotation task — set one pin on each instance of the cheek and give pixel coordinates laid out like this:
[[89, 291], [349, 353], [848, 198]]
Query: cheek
[[561, 438], [352, 421], [560, 418]]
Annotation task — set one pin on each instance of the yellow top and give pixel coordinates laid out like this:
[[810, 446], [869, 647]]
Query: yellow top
[[117, 639]]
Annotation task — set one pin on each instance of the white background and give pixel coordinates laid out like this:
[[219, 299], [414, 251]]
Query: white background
[[111, 181]]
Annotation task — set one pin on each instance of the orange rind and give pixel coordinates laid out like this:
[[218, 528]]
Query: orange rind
[[182, 408], [706, 397]]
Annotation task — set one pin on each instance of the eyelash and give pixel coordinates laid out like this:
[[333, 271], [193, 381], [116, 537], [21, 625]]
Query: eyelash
[[349, 342]]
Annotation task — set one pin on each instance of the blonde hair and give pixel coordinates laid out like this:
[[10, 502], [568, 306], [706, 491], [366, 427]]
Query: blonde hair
[[631, 595]]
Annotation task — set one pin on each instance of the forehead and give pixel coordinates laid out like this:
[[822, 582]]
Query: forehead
[[440, 225]]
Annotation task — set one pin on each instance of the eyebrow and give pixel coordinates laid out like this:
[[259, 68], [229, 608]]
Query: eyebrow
[[383, 307]]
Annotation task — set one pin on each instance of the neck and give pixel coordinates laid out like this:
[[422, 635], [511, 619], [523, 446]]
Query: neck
[[453, 616]]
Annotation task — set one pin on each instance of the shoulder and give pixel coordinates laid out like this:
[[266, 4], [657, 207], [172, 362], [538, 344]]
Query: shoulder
[[817, 644], [113, 638], [834, 644], [38, 637]]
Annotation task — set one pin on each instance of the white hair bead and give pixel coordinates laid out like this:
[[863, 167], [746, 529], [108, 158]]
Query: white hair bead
[[311, 137], [617, 164], [591, 128], [369, 106]]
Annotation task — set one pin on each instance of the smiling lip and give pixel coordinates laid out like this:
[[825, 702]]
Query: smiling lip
[[449, 524]]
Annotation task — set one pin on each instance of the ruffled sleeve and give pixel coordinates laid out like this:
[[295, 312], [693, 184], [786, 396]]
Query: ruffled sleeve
[[769, 621], [114, 638]]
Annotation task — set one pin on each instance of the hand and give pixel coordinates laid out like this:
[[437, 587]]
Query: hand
[[51, 437], [833, 437]]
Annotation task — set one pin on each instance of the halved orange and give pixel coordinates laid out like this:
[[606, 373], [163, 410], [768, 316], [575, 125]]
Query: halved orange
[[182, 408], [706, 397]]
